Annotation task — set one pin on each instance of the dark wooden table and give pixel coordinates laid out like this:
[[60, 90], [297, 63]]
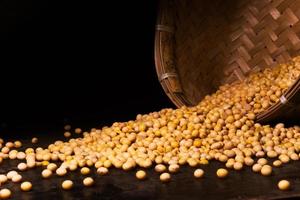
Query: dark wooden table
[[123, 185]]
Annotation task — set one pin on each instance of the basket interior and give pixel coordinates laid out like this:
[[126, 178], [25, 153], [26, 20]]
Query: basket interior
[[218, 42]]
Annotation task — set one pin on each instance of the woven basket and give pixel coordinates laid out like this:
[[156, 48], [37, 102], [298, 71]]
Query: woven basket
[[202, 44]]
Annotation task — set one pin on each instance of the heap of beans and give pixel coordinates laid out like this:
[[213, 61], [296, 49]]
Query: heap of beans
[[221, 127]]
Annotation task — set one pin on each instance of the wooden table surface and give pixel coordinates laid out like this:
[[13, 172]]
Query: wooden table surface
[[118, 184]]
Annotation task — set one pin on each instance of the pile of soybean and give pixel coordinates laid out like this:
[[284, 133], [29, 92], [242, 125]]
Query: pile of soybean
[[221, 127]]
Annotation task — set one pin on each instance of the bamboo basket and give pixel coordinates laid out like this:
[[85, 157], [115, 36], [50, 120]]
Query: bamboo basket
[[202, 44]]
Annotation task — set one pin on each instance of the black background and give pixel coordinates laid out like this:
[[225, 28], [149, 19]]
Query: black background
[[88, 63]]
